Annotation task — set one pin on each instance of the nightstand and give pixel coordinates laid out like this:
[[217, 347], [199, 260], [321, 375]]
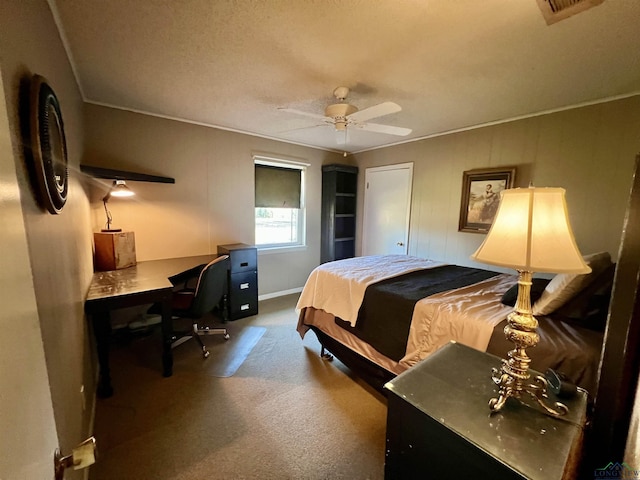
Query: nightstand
[[439, 425]]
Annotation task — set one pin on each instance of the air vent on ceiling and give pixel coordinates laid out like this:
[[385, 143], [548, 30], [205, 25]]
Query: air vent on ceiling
[[556, 10]]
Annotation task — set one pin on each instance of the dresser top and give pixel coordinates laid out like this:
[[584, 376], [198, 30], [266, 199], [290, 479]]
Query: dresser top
[[453, 386], [235, 246]]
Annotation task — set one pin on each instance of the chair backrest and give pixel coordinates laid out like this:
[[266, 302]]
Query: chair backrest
[[212, 285]]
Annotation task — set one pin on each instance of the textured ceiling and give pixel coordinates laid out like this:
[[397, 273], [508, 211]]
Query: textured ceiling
[[450, 64]]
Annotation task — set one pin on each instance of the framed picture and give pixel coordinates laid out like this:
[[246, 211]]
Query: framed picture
[[481, 195]]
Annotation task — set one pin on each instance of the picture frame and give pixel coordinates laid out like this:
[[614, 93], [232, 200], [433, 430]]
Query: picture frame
[[481, 196]]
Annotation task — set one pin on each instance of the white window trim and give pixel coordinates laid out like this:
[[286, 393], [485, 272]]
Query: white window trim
[[266, 250], [259, 159]]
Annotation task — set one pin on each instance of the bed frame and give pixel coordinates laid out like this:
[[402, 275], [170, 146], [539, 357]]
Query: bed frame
[[372, 374]]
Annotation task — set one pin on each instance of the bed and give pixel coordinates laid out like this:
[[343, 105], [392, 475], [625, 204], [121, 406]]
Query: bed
[[382, 314]]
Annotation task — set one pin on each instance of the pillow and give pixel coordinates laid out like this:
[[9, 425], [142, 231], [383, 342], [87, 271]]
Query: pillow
[[591, 305], [565, 286], [537, 287]]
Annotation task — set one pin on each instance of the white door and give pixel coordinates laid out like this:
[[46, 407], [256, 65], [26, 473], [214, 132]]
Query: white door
[[28, 436], [387, 209]]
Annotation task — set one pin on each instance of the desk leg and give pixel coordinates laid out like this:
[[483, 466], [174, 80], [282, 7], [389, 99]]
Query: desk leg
[[167, 337], [102, 331]]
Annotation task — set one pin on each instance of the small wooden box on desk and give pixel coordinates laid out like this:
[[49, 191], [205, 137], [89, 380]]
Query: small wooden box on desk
[[243, 279], [439, 425], [114, 250]]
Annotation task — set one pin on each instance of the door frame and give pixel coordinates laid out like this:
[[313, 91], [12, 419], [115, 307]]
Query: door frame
[[367, 201], [30, 435]]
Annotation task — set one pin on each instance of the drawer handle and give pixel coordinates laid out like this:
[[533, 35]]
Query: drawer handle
[[244, 286], [244, 307], [244, 264]]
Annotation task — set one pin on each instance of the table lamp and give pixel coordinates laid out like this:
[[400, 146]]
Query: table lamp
[[530, 233], [118, 189]]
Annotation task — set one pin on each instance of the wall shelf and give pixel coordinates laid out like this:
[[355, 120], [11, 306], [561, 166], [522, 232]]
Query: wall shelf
[[111, 174]]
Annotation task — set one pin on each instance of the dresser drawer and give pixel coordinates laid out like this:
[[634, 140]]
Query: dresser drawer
[[242, 258], [242, 304], [243, 283]]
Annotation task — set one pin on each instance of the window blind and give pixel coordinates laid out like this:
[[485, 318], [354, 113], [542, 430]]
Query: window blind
[[277, 187]]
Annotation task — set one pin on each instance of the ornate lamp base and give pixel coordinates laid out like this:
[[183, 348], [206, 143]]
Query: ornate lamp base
[[513, 387], [513, 377]]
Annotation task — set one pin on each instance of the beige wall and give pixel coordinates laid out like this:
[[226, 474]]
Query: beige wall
[[632, 450], [212, 201], [589, 151], [59, 245]]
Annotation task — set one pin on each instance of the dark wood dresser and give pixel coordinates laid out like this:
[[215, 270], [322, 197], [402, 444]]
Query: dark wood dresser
[[243, 279], [439, 425]]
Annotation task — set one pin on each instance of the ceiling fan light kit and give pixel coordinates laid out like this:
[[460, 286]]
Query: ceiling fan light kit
[[339, 112]]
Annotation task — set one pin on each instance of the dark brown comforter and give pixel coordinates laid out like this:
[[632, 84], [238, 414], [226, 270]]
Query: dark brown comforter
[[391, 302]]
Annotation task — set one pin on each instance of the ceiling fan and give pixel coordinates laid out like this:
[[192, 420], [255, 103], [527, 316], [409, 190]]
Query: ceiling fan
[[343, 115]]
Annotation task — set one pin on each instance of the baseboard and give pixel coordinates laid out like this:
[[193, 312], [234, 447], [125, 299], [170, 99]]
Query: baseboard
[[282, 293]]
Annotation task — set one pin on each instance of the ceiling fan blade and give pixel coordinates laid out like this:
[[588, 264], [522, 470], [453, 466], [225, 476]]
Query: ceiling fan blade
[[376, 111], [376, 127], [291, 130], [302, 113]]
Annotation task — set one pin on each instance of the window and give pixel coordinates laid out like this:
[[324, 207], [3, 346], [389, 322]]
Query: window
[[279, 203]]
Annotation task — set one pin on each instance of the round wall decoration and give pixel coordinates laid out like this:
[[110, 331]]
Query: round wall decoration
[[49, 147]]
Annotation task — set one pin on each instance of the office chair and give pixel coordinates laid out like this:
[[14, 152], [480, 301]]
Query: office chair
[[188, 302]]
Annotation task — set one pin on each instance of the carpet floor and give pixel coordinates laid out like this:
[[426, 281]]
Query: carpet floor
[[264, 405]]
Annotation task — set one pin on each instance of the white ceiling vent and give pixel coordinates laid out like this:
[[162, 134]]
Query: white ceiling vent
[[556, 10]]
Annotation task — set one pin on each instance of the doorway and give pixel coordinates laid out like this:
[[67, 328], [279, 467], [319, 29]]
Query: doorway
[[387, 209]]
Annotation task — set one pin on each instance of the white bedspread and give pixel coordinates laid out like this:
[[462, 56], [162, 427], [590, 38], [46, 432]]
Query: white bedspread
[[338, 287]]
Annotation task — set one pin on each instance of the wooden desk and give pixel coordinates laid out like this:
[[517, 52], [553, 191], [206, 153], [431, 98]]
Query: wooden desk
[[147, 282]]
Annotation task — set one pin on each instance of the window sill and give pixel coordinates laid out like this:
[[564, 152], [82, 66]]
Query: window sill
[[270, 250]]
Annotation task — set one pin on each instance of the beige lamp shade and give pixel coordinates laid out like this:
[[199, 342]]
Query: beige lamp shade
[[531, 232]]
